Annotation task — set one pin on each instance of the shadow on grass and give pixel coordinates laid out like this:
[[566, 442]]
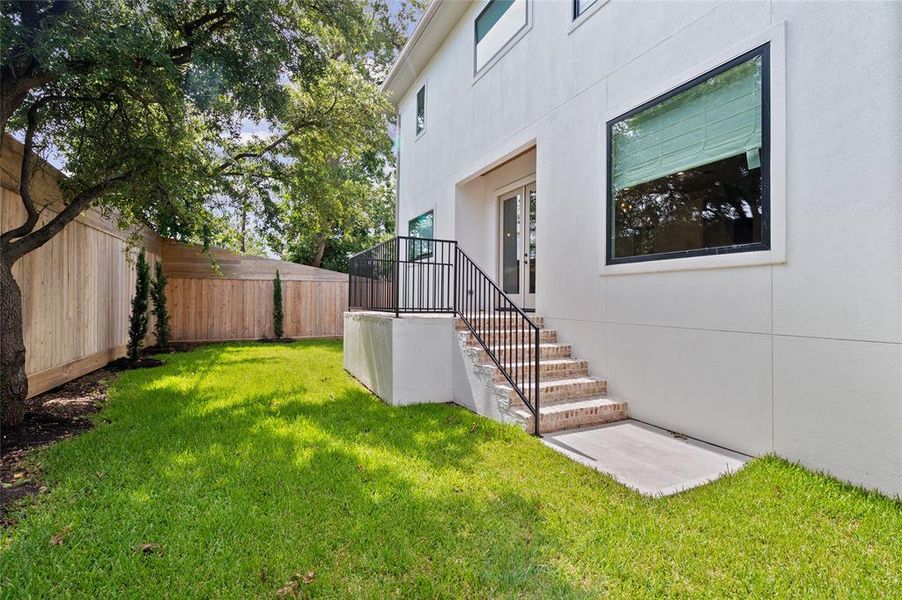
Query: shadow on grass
[[249, 464], [298, 470]]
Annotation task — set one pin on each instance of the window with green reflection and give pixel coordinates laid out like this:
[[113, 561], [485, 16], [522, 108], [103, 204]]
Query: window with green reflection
[[423, 227], [688, 171]]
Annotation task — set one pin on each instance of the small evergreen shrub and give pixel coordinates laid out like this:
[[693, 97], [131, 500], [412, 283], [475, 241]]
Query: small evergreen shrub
[[160, 310], [278, 316], [137, 321]]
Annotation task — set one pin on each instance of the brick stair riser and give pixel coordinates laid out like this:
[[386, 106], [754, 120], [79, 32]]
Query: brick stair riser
[[521, 355], [579, 417], [551, 372], [564, 393], [546, 336]]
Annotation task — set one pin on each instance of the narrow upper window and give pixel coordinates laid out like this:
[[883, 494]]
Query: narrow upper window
[[498, 22], [688, 172], [421, 110], [422, 227], [580, 6]]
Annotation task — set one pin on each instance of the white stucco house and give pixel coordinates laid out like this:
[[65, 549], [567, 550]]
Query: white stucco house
[[702, 200]]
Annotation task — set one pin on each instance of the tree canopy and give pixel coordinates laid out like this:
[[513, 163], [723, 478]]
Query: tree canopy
[[145, 102]]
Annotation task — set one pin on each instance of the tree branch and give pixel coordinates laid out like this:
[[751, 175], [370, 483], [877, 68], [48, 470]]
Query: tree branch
[[279, 140], [16, 80], [218, 18], [34, 240], [25, 175], [267, 149]]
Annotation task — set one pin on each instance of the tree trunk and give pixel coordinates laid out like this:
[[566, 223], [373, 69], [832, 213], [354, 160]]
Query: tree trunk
[[320, 251], [13, 382]]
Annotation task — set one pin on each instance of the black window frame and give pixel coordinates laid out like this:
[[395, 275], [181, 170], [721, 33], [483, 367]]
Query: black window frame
[[418, 130], [764, 52], [425, 250]]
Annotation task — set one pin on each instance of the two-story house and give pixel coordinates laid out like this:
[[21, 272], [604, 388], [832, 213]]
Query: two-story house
[[702, 199]]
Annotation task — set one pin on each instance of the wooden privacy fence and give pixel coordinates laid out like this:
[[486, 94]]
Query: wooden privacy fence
[[76, 289], [237, 305]]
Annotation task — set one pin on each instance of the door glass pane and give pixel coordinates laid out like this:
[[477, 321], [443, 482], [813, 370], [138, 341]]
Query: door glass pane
[[532, 240], [510, 232]]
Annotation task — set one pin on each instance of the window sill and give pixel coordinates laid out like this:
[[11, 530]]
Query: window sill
[[575, 23], [696, 263]]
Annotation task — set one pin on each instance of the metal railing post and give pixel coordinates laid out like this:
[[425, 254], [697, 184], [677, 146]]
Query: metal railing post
[[454, 271], [536, 359], [396, 280]]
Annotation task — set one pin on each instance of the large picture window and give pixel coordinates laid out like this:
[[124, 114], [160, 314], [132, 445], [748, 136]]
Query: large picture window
[[422, 226], [688, 171]]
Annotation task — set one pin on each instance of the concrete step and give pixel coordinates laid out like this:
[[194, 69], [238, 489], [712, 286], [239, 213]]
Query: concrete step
[[486, 318], [521, 336], [524, 353], [560, 368], [557, 391], [582, 412]]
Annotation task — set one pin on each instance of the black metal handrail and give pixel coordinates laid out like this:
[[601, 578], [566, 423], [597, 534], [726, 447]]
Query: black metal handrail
[[423, 275], [508, 335]]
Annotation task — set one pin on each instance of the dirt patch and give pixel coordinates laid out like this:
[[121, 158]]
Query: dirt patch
[[60, 413]]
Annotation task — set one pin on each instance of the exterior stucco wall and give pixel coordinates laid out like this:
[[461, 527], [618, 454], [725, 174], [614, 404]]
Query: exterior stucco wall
[[803, 356], [403, 361], [368, 351]]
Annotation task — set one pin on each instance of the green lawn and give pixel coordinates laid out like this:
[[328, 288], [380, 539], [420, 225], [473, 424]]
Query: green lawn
[[250, 466]]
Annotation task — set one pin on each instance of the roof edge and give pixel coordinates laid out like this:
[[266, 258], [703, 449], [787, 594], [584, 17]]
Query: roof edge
[[431, 30]]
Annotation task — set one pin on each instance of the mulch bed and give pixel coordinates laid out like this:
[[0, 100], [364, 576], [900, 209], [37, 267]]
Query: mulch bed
[[126, 364], [60, 413], [51, 416]]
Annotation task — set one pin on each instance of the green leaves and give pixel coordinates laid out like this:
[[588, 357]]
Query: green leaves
[[137, 321], [336, 190], [151, 96], [278, 314], [160, 308]]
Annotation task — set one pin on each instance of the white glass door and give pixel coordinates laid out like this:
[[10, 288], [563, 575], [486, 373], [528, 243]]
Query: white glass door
[[518, 245]]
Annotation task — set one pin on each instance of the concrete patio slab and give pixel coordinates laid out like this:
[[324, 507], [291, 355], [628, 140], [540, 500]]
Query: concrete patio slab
[[650, 460]]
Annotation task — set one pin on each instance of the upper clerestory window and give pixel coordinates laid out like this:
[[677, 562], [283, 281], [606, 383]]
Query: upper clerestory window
[[498, 22], [421, 110]]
